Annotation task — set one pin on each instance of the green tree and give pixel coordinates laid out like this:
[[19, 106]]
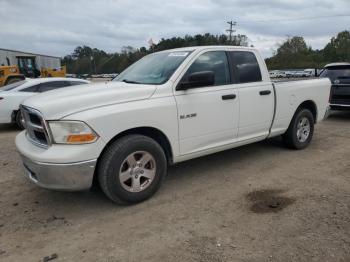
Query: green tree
[[338, 50], [84, 58], [293, 53]]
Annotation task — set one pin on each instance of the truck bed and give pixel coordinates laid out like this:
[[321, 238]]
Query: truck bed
[[290, 94]]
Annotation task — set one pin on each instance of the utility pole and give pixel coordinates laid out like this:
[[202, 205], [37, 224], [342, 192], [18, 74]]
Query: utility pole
[[231, 30]]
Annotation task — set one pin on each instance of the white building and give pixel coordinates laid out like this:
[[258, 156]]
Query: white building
[[19, 58]]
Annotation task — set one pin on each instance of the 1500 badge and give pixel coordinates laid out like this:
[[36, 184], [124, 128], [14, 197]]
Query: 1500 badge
[[188, 116]]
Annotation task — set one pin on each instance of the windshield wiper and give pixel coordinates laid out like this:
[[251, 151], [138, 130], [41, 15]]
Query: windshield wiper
[[130, 81]]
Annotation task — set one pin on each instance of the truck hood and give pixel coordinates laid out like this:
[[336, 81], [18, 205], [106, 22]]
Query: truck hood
[[66, 101]]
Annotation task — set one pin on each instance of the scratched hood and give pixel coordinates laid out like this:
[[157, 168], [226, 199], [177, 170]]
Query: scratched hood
[[65, 101]]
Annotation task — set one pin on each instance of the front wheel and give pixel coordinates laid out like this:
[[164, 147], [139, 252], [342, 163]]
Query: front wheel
[[300, 130], [132, 169]]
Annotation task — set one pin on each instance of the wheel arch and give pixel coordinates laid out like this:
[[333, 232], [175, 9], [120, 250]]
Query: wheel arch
[[151, 132], [310, 105]]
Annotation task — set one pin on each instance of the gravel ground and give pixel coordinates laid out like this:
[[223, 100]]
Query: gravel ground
[[260, 202]]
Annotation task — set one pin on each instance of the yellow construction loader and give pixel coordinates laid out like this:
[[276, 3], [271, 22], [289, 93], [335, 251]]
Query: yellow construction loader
[[12, 73], [54, 72], [9, 75]]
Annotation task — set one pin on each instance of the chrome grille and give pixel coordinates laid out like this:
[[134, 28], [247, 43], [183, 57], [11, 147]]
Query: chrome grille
[[36, 129]]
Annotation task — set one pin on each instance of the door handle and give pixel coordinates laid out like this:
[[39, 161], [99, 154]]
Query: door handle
[[265, 92], [227, 97]]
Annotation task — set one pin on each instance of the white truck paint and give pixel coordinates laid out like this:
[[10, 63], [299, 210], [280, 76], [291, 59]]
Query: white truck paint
[[195, 122]]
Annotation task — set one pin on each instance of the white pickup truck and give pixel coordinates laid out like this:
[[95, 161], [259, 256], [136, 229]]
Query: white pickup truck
[[168, 107]]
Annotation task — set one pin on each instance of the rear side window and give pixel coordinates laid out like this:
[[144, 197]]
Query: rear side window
[[32, 89], [245, 67], [44, 87], [76, 83]]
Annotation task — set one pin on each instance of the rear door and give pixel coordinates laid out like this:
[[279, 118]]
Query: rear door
[[256, 97]]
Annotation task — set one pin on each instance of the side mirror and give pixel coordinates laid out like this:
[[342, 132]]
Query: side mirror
[[198, 79]]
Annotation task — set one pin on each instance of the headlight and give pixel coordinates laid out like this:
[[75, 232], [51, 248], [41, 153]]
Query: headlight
[[72, 132]]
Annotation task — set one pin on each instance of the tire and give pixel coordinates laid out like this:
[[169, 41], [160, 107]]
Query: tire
[[117, 165], [19, 120], [300, 131]]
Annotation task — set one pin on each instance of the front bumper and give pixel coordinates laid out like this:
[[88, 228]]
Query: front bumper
[[59, 167], [66, 177]]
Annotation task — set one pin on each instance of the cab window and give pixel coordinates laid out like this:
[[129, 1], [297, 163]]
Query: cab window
[[245, 67], [215, 62]]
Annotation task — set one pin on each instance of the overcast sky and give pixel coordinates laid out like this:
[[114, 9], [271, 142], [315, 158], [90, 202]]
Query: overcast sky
[[56, 27]]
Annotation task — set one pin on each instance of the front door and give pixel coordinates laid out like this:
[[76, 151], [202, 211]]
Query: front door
[[208, 115]]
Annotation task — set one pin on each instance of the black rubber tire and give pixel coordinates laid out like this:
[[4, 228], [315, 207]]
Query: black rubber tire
[[18, 120], [290, 137], [112, 160]]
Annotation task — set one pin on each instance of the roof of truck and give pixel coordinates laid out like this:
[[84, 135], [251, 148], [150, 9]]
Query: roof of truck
[[193, 48]]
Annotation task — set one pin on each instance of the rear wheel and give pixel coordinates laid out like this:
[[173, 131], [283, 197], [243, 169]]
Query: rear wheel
[[300, 130], [132, 169]]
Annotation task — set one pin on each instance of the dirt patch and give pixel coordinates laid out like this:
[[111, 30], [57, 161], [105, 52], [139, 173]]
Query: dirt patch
[[268, 201]]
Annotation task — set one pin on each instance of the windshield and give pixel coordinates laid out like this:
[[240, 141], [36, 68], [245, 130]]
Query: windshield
[[154, 69], [12, 86], [336, 73]]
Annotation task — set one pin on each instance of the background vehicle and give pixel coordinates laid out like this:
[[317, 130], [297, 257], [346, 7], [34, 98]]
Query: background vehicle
[[54, 72], [11, 96], [17, 65], [281, 74], [168, 107], [289, 74], [339, 74], [311, 72], [302, 74], [12, 74], [9, 75], [273, 74]]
